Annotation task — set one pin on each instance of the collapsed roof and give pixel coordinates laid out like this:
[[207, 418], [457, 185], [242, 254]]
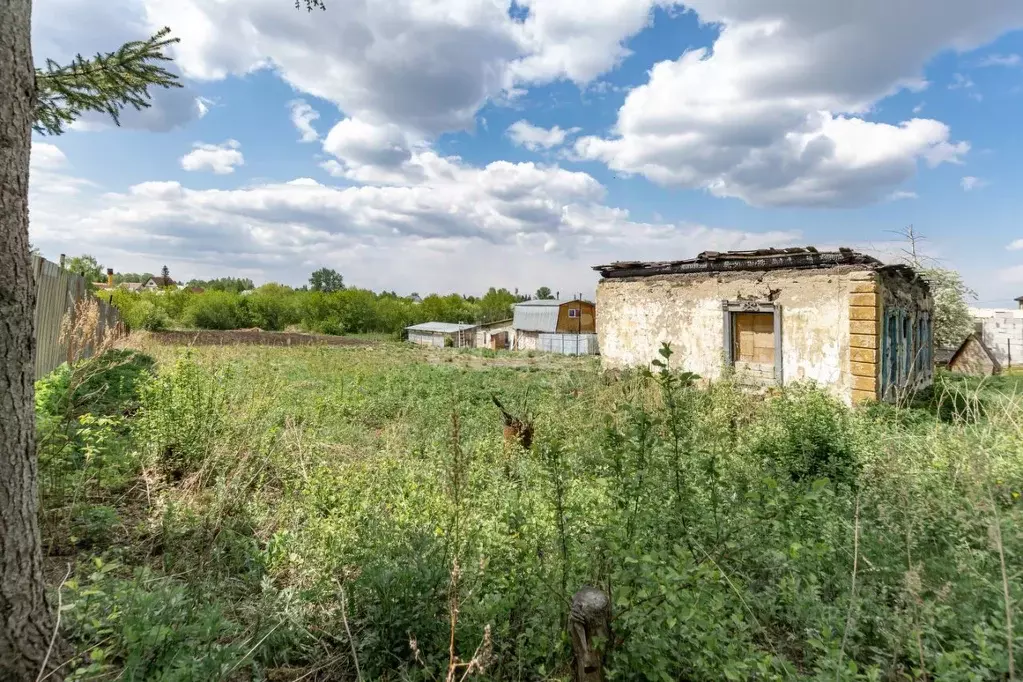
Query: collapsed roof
[[798, 258]]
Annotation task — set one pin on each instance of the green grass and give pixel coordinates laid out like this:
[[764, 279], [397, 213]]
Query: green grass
[[261, 502]]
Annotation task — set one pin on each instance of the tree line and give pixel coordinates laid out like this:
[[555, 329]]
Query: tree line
[[275, 307], [325, 305]]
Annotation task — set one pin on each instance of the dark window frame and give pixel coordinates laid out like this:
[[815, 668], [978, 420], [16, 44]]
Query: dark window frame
[[731, 308]]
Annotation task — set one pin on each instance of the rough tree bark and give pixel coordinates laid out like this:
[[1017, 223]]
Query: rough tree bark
[[26, 624]]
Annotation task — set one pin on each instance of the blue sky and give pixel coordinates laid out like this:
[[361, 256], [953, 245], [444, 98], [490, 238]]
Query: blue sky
[[452, 145]]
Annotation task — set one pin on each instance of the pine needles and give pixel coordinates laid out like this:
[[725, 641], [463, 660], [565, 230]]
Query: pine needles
[[106, 83]]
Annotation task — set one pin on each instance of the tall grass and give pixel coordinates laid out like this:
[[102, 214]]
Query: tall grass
[[308, 517]]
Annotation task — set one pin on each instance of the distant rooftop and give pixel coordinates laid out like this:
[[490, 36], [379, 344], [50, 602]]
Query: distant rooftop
[[799, 258], [538, 315], [440, 327]]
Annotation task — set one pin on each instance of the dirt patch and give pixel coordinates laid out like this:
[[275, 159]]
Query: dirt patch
[[253, 337]]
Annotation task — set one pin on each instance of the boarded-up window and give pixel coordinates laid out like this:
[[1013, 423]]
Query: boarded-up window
[[753, 339]]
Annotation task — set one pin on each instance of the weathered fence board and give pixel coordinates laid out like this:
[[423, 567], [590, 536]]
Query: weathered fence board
[[57, 292]]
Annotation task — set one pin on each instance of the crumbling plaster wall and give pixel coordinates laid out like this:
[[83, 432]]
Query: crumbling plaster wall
[[526, 340], [634, 316]]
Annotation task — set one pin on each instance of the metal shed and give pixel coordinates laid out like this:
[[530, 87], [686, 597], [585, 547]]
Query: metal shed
[[437, 334], [555, 326], [537, 316]]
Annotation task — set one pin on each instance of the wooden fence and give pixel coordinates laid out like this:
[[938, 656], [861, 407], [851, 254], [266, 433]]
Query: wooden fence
[[57, 293]]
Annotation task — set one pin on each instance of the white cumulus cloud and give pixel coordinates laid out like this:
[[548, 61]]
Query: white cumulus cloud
[[525, 134], [218, 158], [426, 65], [775, 113], [46, 156], [302, 116], [578, 41], [452, 226], [1016, 245]]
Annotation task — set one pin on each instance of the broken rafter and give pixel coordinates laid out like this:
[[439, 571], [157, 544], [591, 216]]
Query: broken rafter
[[731, 261]]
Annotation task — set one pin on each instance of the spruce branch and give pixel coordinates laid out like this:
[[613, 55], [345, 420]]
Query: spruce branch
[[310, 4], [105, 83]]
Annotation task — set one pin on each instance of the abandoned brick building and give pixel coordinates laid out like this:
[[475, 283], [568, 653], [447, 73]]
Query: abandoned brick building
[[842, 319]]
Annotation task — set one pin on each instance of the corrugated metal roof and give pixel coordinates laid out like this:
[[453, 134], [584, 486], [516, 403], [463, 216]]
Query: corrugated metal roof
[[440, 327], [530, 317]]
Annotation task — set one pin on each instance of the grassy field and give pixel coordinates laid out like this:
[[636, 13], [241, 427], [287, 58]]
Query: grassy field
[[343, 513]]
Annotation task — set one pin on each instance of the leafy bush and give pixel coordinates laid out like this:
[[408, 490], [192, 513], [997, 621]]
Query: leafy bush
[[274, 307], [332, 325], [182, 415], [105, 385], [271, 307], [147, 316], [93, 525], [216, 310], [807, 436], [148, 628]]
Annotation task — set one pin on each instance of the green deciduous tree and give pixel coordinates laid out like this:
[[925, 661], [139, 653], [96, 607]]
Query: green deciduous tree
[[87, 266], [496, 304], [135, 277], [234, 285], [326, 280], [544, 294]]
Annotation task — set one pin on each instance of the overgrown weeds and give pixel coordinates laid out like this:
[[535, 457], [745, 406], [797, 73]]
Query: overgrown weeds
[[325, 514]]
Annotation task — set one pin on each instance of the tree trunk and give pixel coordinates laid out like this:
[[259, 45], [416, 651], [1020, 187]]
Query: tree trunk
[[26, 625]]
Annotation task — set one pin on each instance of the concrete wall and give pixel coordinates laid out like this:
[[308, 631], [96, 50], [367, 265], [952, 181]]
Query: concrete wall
[[524, 340], [634, 316], [484, 334], [426, 339], [1002, 332]]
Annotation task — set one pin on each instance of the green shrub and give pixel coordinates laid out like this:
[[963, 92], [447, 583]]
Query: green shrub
[[332, 325], [806, 436], [105, 385], [145, 315], [182, 416], [271, 307], [952, 400], [148, 628], [92, 526], [216, 310]]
